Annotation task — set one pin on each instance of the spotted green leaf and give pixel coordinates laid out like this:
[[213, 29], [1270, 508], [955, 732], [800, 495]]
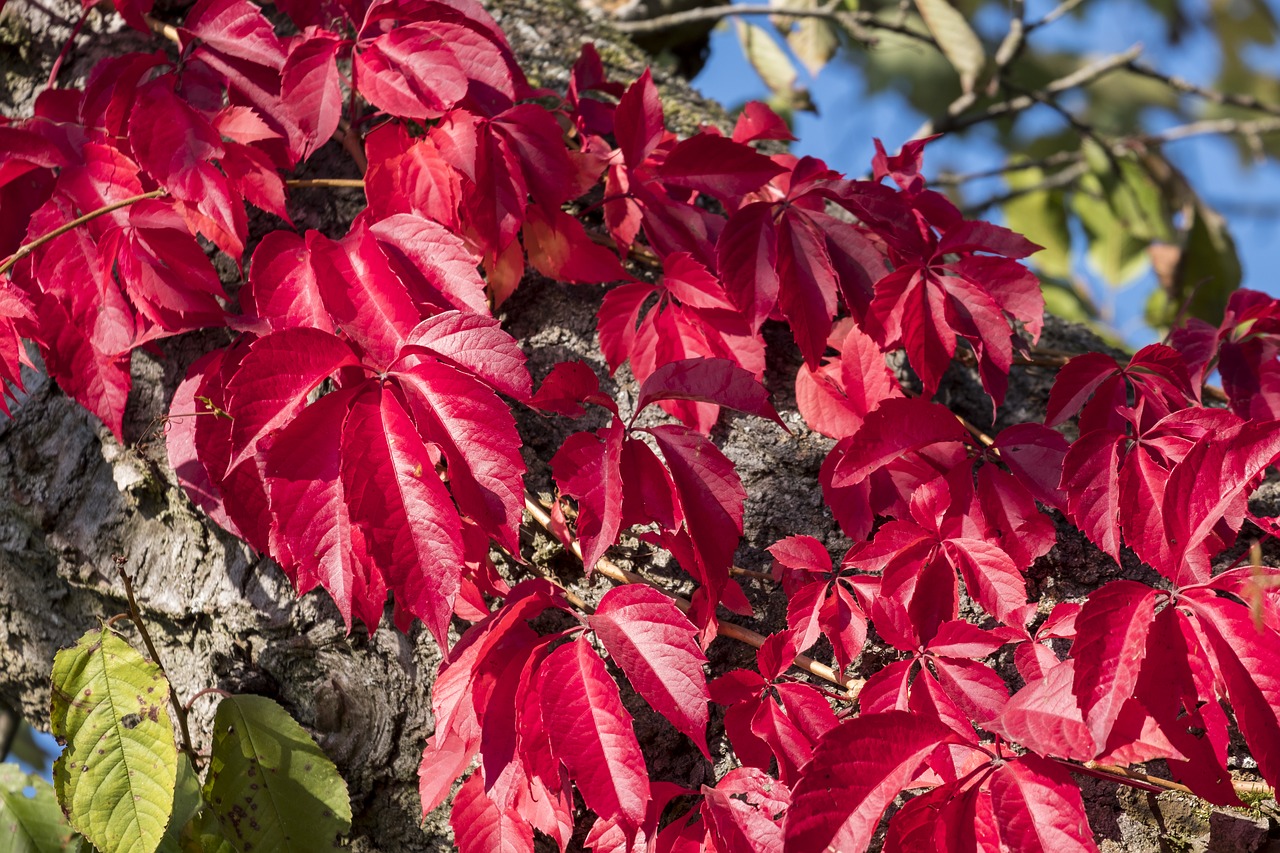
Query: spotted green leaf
[[116, 776], [30, 824], [269, 785]]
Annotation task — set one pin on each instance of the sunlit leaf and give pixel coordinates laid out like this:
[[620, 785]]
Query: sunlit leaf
[[116, 776], [269, 784]]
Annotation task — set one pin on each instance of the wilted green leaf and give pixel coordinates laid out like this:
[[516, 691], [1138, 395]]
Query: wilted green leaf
[[1040, 215], [30, 824], [959, 43], [765, 55], [1207, 273], [116, 776], [269, 784]]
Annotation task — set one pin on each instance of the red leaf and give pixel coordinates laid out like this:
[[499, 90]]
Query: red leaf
[[637, 122], [477, 344], [282, 291], [717, 166], [1035, 455], [433, 263], [309, 84], [273, 381], [1247, 664], [566, 389], [1075, 384], [711, 495], [409, 72], [1111, 639], [303, 473], [809, 299], [1044, 716], [592, 734], [480, 826], [560, 249], [894, 428], [1038, 807], [857, 770], [476, 433], [1091, 479], [588, 468], [757, 122], [747, 254], [652, 641], [177, 146], [709, 380], [393, 492]]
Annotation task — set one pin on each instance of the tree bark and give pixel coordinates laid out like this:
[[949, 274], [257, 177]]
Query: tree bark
[[78, 508]]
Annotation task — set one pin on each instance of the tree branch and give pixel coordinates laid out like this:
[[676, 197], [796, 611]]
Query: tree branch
[[706, 14], [1080, 77]]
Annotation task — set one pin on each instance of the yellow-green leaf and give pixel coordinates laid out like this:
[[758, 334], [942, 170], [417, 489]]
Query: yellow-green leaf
[[768, 59], [116, 776], [1041, 216], [30, 824], [269, 785], [812, 40], [959, 43]]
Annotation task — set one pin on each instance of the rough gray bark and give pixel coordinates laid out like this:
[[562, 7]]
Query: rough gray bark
[[75, 504]]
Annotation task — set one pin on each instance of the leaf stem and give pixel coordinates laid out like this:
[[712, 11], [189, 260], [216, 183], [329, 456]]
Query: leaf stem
[[205, 692], [617, 574], [179, 711], [28, 248]]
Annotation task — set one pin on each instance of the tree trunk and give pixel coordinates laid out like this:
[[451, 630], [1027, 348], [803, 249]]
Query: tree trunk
[[78, 508]]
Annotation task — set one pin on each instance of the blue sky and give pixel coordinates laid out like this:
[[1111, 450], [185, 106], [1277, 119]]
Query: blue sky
[[849, 119]]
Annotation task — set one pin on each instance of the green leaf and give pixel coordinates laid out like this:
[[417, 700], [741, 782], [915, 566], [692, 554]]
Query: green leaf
[[269, 784], [1040, 215], [812, 40], [186, 803], [1113, 252], [768, 59], [959, 43], [32, 824], [116, 776], [1207, 273], [203, 834]]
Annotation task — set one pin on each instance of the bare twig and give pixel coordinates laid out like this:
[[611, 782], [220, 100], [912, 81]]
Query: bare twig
[[1215, 127], [1064, 8], [1186, 87], [706, 14], [179, 710], [1057, 180], [1080, 77]]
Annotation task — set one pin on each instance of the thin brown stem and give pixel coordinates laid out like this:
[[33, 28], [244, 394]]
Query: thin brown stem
[[725, 629], [179, 711], [336, 183], [208, 691], [27, 249], [1082, 76], [854, 21]]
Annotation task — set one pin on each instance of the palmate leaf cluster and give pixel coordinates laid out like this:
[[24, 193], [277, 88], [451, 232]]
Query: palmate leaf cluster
[[359, 430]]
